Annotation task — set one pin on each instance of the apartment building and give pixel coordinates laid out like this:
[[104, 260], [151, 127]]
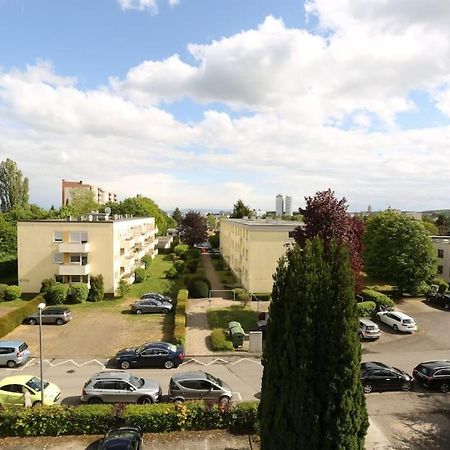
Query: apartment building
[[100, 195], [252, 248], [71, 251], [442, 247]]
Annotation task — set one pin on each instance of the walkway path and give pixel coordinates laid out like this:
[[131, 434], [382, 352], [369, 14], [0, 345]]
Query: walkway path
[[211, 274]]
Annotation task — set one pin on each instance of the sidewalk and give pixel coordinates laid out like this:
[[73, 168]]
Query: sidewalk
[[375, 438]]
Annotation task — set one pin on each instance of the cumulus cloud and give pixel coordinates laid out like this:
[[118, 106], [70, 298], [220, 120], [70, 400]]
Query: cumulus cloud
[[143, 5]]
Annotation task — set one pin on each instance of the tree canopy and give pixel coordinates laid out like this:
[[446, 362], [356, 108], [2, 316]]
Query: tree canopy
[[177, 216], [82, 202], [193, 228], [327, 217], [312, 396], [398, 250], [13, 186], [240, 210]]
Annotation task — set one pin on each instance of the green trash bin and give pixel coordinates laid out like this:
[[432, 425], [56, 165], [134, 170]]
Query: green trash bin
[[237, 334]]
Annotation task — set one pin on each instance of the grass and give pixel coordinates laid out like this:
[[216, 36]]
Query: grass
[[219, 318]]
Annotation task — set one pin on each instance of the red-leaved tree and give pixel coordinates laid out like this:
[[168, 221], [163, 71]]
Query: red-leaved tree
[[193, 229], [327, 217]]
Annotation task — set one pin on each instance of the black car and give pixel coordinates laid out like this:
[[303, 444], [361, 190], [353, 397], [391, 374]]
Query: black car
[[376, 376], [122, 438], [434, 374], [439, 299], [153, 354], [156, 296]]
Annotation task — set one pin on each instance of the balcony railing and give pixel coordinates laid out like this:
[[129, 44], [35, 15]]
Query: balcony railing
[[73, 247], [73, 269]]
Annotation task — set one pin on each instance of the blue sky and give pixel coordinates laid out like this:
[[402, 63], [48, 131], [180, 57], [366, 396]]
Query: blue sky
[[197, 103]]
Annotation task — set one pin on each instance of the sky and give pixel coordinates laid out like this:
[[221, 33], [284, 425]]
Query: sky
[[199, 103]]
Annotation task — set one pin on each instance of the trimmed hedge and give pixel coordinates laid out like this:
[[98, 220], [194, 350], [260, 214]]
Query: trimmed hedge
[[97, 290], [179, 331], [179, 265], [197, 290], [57, 294], [2, 291], [13, 318], [172, 273], [12, 293], [366, 309], [96, 419], [377, 297], [181, 250], [219, 341]]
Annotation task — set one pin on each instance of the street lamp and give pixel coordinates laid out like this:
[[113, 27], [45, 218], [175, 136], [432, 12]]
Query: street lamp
[[41, 306]]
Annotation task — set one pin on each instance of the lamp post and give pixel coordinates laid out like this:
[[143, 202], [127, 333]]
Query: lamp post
[[41, 306]]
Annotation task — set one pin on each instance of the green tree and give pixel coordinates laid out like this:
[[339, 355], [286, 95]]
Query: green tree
[[193, 229], [240, 210], [211, 221], [13, 186], [431, 228], [312, 396], [398, 250], [97, 290], [82, 202], [177, 216]]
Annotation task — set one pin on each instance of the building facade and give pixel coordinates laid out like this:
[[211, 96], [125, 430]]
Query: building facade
[[442, 247], [98, 194], [70, 251], [288, 206], [252, 249], [279, 205]]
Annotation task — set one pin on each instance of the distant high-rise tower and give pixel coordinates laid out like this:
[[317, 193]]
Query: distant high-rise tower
[[279, 203], [288, 206]]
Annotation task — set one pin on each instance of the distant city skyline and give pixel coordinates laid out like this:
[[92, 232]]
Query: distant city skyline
[[199, 104]]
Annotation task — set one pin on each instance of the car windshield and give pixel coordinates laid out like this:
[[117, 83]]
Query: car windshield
[[172, 347], [218, 381], [136, 381], [425, 370], [35, 384], [370, 327]]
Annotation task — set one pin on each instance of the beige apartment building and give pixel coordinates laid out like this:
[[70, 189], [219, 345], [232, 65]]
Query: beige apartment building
[[442, 247], [252, 248], [71, 251], [100, 195]]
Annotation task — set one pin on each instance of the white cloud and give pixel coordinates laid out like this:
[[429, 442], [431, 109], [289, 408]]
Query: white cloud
[[143, 5]]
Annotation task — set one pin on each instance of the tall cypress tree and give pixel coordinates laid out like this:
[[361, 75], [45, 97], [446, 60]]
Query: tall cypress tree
[[311, 390]]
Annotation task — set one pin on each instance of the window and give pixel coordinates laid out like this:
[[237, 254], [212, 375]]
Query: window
[[57, 236], [110, 385], [6, 350], [58, 258], [440, 252], [191, 384], [78, 236], [75, 259], [440, 269], [59, 278]]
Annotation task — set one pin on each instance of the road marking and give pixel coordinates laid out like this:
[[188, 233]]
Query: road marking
[[238, 394], [35, 362], [219, 361]]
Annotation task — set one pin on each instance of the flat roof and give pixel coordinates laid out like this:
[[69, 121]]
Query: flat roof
[[266, 222], [123, 219]]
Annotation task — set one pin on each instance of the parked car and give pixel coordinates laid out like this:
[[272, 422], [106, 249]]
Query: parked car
[[122, 438], [151, 306], [380, 377], [262, 322], [13, 353], [11, 390], [198, 386], [398, 321], [152, 354], [368, 329], [120, 386], [434, 374], [58, 315], [156, 296], [439, 299]]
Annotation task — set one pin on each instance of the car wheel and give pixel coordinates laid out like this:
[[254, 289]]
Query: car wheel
[[164, 310], [395, 327], [367, 388], [169, 364], [145, 400], [178, 401], [59, 321], [224, 400], [361, 336], [139, 311], [125, 365], [444, 387], [406, 387], [95, 401], [11, 364], [37, 404], [32, 321]]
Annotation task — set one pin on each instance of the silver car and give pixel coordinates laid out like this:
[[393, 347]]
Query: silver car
[[151, 305], [368, 329], [58, 315], [198, 386], [13, 353], [120, 386]]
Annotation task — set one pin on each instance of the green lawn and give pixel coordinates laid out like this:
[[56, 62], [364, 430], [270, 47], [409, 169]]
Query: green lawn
[[219, 318]]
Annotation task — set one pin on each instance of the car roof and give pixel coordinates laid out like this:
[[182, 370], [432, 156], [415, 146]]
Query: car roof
[[165, 345], [366, 321], [11, 343], [111, 374], [16, 379], [199, 375], [400, 314], [436, 364], [374, 365]]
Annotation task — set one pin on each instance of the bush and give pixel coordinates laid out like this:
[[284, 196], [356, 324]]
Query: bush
[[219, 341], [214, 240], [79, 292], [179, 331], [13, 318], [57, 294], [147, 260], [181, 250], [140, 275], [46, 285], [179, 265], [123, 288], [377, 297], [194, 253], [2, 291], [443, 286], [192, 265], [198, 289], [172, 273], [12, 293], [366, 309], [97, 290]]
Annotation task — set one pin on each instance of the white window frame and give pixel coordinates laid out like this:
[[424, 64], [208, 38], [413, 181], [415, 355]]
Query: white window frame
[[57, 239], [58, 258]]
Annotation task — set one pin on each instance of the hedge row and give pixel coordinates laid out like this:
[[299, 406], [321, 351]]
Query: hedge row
[[377, 297], [366, 309], [96, 419], [179, 331], [14, 318]]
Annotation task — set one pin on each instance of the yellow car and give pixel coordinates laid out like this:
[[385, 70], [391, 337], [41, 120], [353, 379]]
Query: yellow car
[[11, 391]]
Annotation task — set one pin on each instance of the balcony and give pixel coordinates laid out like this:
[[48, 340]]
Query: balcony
[[73, 247], [127, 243], [73, 269]]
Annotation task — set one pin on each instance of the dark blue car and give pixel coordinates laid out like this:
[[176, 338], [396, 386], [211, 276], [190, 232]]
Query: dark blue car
[[122, 438]]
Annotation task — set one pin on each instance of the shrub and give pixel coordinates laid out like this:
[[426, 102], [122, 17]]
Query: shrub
[[2, 291], [219, 341], [13, 318], [172, 273], [179, 265], [377, 297], [179, 332], [79, 292], [214, 240], [91, 419], [263, 297], [97, 290], [443, 286], [194, 253], [57, 294], [46, 285], [147, 260], [192, 265], [366, 309], [123, 288], [181, 250], [140, 275], [198, 289], [12, 293]]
